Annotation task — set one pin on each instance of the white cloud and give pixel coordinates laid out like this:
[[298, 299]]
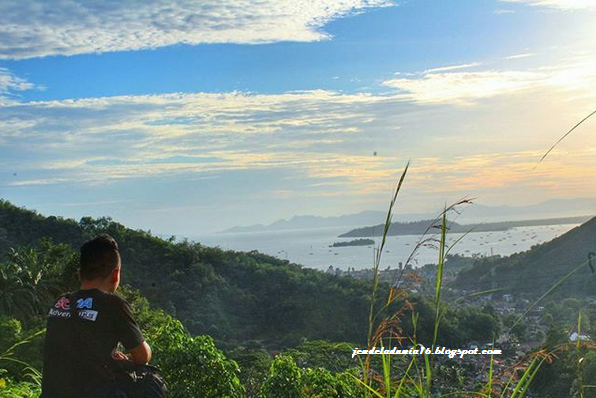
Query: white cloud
[[464, 87], [101, 139], [10, 83], [316, 142], [451, 86], [37, 28], [558, 4]]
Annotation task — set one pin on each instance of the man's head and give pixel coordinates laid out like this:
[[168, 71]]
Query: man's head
[[100, 263]]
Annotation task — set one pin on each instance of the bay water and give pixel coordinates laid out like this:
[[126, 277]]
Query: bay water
[[310, 247]]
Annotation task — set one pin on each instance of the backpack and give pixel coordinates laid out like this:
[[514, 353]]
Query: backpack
[[140, 381]]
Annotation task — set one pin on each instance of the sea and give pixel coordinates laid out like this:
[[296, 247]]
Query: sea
[[311, 247]]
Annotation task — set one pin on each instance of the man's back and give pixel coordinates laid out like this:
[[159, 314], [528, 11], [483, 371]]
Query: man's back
[[77, 352]]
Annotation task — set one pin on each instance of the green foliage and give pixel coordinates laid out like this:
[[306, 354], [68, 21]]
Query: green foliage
[[565, 313], [11, 365], [589, 371], [254, 363], [31, 277], [192, 366], [10, 331], [287, 380], [517, 330], [565, 376], [556, 335], [21, 227], [529, 272], [13, 389], [477, 325], [320, 383], [10, 334], [232, 296], [335, 357]]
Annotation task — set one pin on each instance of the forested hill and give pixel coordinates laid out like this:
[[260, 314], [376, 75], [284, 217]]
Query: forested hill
[[420, 227], [536, 270], [232, 296]]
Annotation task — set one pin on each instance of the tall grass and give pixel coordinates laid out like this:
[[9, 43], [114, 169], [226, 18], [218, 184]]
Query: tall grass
[[28, 371], [31, 386], [417, 376], [564, 136]]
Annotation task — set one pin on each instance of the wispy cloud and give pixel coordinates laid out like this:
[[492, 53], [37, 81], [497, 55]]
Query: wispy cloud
[[451, 86], [320, 143], [464, 88], [11, 83], [518, 56], [453, 67], [38, 28], [104, 139]]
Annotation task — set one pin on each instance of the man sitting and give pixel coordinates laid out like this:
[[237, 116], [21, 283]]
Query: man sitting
[[85, 327]]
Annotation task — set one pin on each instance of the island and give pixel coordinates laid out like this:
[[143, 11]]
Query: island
[[355, 242]]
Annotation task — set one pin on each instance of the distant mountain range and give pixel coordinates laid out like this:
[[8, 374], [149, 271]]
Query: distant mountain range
[[312, 222], [476, 213]]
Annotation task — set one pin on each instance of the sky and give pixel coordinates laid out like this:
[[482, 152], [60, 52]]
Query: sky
[[189, 117]]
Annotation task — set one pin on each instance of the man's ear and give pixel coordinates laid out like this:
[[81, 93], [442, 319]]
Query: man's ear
[[115, 275]]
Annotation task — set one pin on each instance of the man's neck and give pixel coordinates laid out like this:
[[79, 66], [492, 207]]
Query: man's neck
[[99, 285]]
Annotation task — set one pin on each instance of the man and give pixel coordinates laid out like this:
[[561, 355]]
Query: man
[[85, 327]]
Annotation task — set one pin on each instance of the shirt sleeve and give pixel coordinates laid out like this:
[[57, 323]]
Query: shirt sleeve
[[127, 328]]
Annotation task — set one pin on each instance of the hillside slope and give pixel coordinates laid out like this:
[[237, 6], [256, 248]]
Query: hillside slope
[[230, 295], [536, 270]]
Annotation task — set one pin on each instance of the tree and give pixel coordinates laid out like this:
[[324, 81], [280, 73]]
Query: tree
[[192, 366], [32, 277], [254, 363], [285, 379], [555, 335], [518, 330]]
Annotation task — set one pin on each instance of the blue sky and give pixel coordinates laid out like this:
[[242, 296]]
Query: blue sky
[[189, 117]]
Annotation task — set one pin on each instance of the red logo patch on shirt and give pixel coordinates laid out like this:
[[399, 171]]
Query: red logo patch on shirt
[[63, 303]]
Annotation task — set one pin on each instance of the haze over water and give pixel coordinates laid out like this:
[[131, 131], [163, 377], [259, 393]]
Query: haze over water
[[311, 247]]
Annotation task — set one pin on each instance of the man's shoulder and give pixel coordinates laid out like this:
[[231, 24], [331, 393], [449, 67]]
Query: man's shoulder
[[111, 300], [88, 299], [115, 301], [97, 294]]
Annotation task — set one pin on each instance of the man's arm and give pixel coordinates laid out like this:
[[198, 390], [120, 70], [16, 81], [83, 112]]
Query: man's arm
[[130, 334], [141, 354]]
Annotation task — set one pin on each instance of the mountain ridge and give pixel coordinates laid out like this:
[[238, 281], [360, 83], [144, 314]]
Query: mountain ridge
[[471, 214]]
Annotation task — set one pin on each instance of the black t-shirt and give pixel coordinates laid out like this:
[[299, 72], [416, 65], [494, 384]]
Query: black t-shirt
[[77, 352]]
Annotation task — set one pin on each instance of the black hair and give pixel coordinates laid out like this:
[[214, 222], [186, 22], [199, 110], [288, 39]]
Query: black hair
[[99, 257]]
